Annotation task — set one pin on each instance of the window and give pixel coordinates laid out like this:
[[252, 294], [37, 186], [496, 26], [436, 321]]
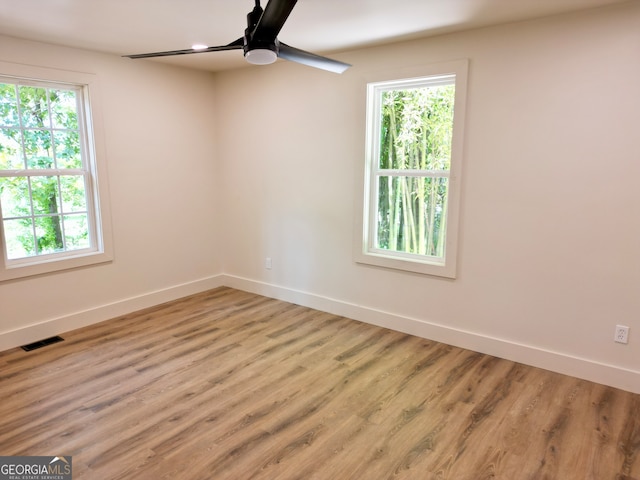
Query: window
[[412, 172], [49, 193]]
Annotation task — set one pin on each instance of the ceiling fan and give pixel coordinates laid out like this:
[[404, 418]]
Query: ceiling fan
[[260, 41]]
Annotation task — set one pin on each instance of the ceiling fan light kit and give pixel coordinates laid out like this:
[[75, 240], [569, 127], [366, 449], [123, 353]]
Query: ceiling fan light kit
[[261, 56], [260, 41]]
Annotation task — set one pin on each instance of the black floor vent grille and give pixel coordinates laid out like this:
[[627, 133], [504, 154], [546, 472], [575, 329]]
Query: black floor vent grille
[[42, 343]]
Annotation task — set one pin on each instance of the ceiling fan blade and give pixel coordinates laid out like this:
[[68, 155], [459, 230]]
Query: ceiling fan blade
[[275, 14], [235, 45], [311, 59]]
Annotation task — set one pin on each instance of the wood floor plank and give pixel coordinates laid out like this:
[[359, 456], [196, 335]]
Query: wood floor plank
[[230, 385]]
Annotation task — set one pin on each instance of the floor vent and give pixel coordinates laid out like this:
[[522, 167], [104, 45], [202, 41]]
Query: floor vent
[[42, 343]]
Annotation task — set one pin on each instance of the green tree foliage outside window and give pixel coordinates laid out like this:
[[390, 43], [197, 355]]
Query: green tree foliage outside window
[[43, 193], [413, 171]]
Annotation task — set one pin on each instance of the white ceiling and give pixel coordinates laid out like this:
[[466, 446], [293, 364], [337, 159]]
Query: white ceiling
[[320, 26]]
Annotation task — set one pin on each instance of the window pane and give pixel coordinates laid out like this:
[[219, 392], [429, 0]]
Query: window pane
[[67, 147], [14, 196], [73, 193], [37, 145], [411, 215], [19, 238], [10, 149], [76, 232], [44, 192], [63, 109], [8, 105], [49, 234], [34, 107], [416, 128]]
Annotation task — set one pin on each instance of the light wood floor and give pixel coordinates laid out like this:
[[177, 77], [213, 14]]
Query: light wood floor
[[231, 385]]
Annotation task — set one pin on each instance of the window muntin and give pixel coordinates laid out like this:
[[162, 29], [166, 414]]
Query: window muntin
[[412, 171], [49, 188]]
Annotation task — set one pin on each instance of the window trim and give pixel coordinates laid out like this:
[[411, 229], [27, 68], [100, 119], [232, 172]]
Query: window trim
[[364, 252], [97, 192]]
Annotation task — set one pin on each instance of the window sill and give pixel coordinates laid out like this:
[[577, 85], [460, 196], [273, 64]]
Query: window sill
[[23, 270], [428, 266]]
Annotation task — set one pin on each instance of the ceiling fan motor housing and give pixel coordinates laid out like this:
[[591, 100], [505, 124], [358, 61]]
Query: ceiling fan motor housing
[[259, 51]]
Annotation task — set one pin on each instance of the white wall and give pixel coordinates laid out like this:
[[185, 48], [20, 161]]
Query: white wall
[[549, 259], [163, 179]]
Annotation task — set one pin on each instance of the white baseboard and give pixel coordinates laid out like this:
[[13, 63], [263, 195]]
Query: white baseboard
[[56, 326], [559, 362]]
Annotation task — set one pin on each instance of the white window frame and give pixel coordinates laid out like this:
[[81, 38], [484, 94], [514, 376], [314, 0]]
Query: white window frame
[[364, 236], [101, 249]]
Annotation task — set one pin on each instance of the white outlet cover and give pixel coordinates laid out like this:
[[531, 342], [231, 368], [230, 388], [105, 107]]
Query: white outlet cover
[[622, 334]]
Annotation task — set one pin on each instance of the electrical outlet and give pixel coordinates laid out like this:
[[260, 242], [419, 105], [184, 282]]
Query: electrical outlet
[[267, 263], [622, 334]]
